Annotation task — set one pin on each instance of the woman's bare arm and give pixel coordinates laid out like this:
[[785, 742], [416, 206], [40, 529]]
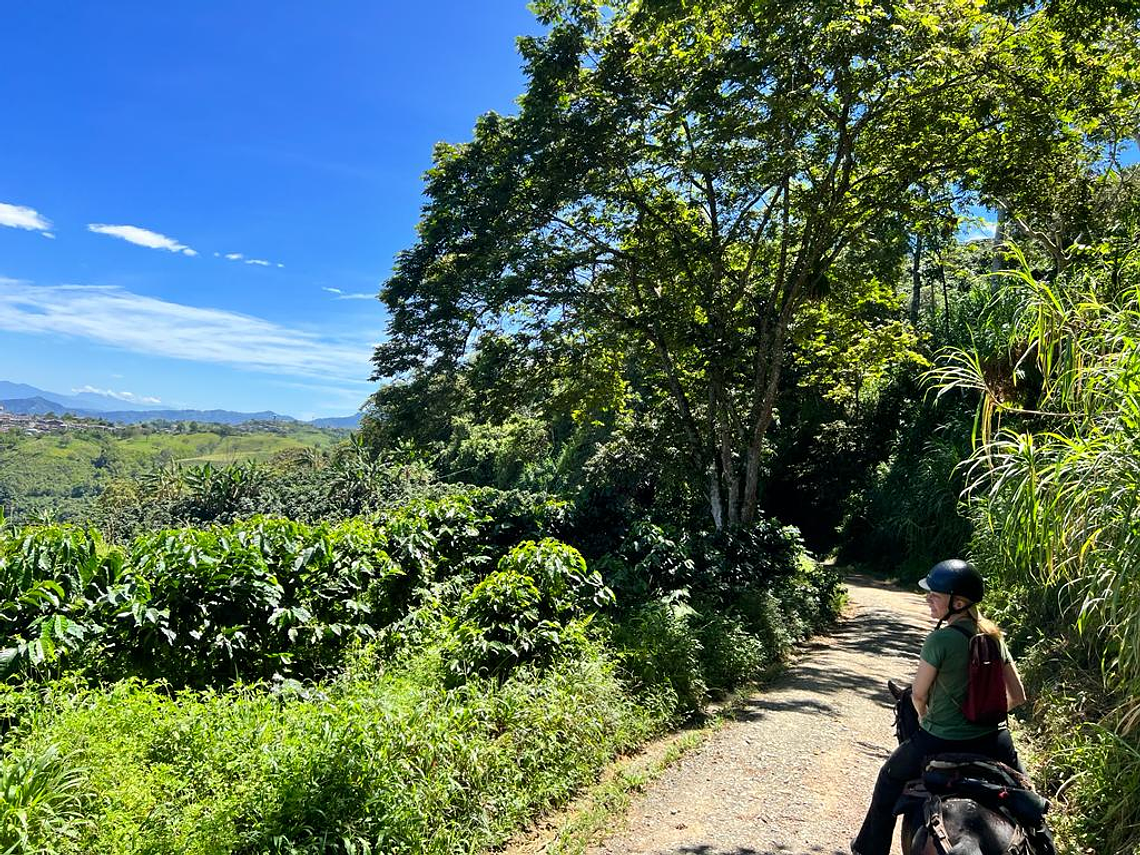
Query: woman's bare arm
[[920, 688]]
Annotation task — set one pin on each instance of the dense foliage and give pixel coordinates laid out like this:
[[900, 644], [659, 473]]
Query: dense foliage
[[689, 187], [1054, 485], [712, 280], [420, 680]]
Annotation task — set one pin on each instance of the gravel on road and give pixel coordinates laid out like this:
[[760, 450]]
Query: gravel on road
[[792, 773]]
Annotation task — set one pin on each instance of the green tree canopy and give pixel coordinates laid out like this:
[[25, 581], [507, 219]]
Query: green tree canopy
[[686, 177]]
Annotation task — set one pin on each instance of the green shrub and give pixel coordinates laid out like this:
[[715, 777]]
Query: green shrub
[[713, 566], [377, 762], [51, 579], [534, 606], [764, 616], [730, 655], [660, 654]]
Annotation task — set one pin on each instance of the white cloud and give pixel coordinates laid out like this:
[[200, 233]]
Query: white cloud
[[118, 318], [141, 237], [130, 397], [340, 295], [19, 217], [260, 262], [48, 235]]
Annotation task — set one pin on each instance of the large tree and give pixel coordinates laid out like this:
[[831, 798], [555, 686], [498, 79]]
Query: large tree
[[685, 176]]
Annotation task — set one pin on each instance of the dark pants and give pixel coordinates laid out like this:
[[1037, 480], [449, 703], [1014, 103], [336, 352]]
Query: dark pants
[[907, 763]]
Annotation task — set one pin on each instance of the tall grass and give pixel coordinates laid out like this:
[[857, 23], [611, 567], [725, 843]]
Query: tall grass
[[381, 762], [41, 801], [1054, 485]]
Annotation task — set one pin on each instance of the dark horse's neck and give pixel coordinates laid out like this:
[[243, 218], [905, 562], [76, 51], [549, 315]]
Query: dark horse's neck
[[971, 829]]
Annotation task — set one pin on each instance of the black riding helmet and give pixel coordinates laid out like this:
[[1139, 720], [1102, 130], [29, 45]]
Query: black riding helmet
[[957, 578]]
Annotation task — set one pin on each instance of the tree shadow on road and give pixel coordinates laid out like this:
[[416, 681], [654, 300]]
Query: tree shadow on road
[[872, 632], [705, 849]]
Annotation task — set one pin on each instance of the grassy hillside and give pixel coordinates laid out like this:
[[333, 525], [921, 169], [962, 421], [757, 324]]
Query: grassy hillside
[[62, 473]]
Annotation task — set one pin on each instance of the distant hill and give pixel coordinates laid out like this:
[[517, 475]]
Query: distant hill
[[217, 417], [82, 400], [21, 399], [347, 422], [62, 473], [40, 405], [36, 406]]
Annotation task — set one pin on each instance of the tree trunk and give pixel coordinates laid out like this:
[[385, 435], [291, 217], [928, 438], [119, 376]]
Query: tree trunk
[[716, 501], [945, 295], [998, 261], [773, 353], [916, 281]]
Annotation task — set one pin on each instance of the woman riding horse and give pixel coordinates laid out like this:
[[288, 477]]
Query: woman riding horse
[[954, 589]]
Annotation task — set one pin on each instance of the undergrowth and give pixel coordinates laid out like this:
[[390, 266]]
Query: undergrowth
[[375, 762]]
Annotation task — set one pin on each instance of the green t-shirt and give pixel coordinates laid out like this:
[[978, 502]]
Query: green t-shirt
[[948, 650]]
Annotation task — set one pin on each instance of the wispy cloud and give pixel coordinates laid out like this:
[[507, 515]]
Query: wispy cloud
[[130, 397], [19, 217], [341, 295], [260, 262], [119, 318], [141, 237]]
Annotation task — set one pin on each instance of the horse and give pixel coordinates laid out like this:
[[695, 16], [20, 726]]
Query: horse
[[965, 804]]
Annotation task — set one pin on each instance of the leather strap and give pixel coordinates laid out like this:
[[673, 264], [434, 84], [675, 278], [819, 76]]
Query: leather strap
[[936, 831], [936, 826]]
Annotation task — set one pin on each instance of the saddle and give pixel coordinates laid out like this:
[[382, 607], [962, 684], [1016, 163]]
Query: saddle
[[988, 782], [991, 784]]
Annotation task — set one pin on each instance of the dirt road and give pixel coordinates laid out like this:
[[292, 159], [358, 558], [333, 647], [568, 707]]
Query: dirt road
[[791, 775]]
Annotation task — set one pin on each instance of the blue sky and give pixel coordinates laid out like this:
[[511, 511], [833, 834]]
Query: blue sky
[[198, 201]]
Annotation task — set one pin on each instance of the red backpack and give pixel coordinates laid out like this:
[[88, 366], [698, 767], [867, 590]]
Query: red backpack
[[986, 701]]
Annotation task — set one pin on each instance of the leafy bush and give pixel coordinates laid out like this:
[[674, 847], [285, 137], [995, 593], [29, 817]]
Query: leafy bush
[[514, 453], [716, 566], [535, 605], [660, 655], [51, 580], [194, 606], [377, 762], [268, 597], [696, 646], [730, 655]]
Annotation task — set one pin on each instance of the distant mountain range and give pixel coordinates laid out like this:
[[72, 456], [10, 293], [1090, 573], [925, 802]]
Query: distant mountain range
[[22, 399]]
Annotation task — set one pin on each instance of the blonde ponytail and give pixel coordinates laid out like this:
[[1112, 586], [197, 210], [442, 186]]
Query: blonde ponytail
[[985, 625]]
